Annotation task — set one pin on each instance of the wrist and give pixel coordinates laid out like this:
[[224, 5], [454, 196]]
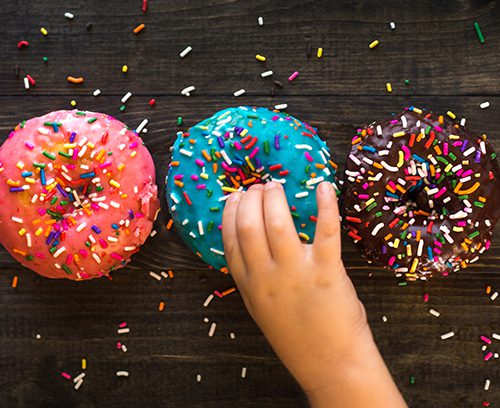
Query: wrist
[[339, 366], [361, 378]]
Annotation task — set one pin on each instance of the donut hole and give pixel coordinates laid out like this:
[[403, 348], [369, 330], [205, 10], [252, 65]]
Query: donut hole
[[72, 187], [416, 199]]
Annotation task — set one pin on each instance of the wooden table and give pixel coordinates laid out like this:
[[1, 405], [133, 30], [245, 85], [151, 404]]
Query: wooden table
[[434, 46]]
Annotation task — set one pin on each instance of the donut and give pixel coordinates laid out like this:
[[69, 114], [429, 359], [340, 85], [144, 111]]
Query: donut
[[421, 194], [77, 194], [232, 150]]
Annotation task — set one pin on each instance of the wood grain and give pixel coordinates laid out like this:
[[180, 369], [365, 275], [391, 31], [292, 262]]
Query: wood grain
[[434, 45]]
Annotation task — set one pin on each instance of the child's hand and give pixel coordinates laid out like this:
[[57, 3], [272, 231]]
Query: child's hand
[[303, 300]]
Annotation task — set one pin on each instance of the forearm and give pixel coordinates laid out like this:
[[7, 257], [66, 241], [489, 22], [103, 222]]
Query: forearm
[[362, 380]]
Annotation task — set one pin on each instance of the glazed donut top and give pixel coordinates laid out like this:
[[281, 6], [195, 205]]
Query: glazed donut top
[[232, 150], [77, 194], [421, 194]]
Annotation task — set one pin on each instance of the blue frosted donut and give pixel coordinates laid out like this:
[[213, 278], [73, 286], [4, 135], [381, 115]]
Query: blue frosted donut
[[232, 150]]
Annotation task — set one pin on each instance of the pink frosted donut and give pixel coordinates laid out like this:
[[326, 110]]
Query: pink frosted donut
[[77, 194]]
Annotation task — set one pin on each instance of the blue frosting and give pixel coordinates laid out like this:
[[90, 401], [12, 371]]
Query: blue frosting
[[236, 148]]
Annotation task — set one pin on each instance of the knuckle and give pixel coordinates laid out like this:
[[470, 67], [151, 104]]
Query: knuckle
[[278, 226], [330, 227], [246, 226], [229, 250]]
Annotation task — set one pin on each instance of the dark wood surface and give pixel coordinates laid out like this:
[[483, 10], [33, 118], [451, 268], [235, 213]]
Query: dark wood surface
[[434, 46]]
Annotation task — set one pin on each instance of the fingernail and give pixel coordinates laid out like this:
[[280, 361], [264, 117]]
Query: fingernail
[[270, 185], [257, 187], [234, 198], [325, 188]]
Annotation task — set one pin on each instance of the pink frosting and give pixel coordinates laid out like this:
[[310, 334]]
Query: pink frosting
[[117, 195]]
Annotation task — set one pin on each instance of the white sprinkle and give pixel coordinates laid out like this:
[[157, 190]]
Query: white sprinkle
[[124, 348], [389, 167], [462, 122], [469, 151], [78, 384], [458, 215], [123, 330], [377, 228], [38, 336], [243, 372], [487, 384], [384, 319], [129, 248], [315, 180], [96, 257], [28, 240], [187, 91], [379, 130], [186, 51], [484, 105], [449, 238], [206, 320], [447, 335], [281, 106], [420, 247], [17, 219], [494, 296], [155, 275], [83, 151], [198, 378], [303, 146], [59, 252], [404, 122], [302, 194], [266, 74], [226, 157], [141, 126], [185, 152], [445, 229], [392, 24], [232, 336], [211, 332], [496, 336], [78, 377], [26, 83], [277, 180], [354, 159], [434, 312], [200, 228], [217, 251], [208, 300], [482, 145], [260, 20], [126, 97], [174, 198], [122, 374], [69, 15], [238, 93]]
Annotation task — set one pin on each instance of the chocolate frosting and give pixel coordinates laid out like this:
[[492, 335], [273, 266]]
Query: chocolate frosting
[[421, 194]]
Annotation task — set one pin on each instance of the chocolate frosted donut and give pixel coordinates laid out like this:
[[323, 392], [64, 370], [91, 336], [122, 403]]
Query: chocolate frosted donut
[[421, 194]]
